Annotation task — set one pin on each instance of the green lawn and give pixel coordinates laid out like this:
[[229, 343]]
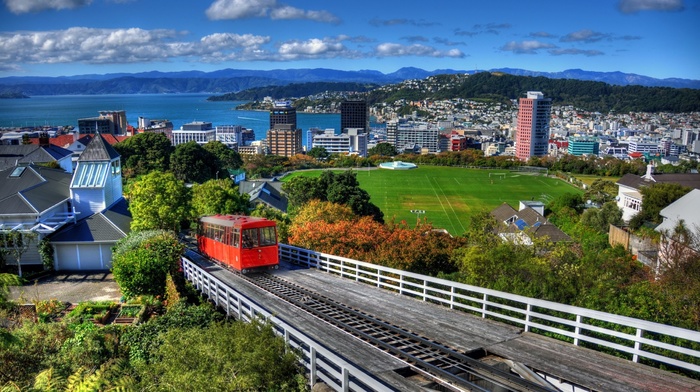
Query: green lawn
[[450, 195]]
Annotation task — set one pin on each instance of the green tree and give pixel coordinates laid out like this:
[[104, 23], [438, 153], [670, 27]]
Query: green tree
[[318, 152], [218, 197], [601, 218], [601, 191], [228, 157], [15, 243], [142, 260], [158, 201], [190, 162], [224, 357], [144, 153], [383, 149], [339, 188], [655, 198]]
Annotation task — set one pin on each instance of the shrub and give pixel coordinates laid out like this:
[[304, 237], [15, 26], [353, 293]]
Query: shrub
[[142, 261]]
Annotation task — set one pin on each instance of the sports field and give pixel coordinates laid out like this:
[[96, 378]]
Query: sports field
[[450, 195]]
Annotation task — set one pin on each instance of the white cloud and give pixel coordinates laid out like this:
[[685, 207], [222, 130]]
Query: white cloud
[[526, 47], [584, 35], [389, 49], [106, 46], [313, 48], [572, 51], [240, 9], [634, 6], [25, 6]]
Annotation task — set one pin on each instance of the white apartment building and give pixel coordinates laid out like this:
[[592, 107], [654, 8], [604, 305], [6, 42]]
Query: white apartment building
[[230, 135], [197, 131], [352, 142]]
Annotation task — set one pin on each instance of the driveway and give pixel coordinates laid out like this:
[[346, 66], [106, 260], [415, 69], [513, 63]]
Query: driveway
[[71, 287]]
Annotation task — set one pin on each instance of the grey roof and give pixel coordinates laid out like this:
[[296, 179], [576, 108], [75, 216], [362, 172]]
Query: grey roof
[[30, 153], [267, 192], [691, 180], [110, 225], [35, 190], [686, 209], [98, 150]]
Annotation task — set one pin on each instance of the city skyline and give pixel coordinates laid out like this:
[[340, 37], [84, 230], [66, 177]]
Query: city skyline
[[654, 38]]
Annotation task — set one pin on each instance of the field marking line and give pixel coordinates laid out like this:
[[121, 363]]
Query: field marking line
[[447, 199], [441, 204]]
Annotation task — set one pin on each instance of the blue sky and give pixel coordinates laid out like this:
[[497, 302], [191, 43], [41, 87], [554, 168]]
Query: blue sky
[[658, 38]]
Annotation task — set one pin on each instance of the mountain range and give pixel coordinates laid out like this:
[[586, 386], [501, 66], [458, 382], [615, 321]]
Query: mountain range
[[234, 80]]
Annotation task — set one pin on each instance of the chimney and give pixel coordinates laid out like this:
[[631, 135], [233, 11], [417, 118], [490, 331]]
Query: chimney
[[44, 139], [650, 171]]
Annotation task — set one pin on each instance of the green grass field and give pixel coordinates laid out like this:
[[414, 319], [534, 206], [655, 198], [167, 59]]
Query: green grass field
[[449, 195]]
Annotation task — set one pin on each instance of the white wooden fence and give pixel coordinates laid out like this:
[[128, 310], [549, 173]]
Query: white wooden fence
[[320, 362], [634, 339]]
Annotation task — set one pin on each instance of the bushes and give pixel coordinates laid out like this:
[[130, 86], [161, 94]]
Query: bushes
[[142, 261]]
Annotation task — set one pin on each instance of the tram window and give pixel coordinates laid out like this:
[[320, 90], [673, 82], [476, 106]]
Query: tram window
[[267, 236], [250, 238], [236, 237]]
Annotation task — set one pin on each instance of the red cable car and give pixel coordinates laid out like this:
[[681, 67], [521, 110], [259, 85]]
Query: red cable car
[[241, 242]]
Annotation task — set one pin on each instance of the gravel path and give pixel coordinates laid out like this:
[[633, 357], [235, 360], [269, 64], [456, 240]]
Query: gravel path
[[69, 287]]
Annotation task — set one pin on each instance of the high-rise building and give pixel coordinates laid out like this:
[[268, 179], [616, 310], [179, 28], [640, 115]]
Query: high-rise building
[[416, 136], [198, 131], [283, 112], [283, 140], [354, 114], [532, 133]]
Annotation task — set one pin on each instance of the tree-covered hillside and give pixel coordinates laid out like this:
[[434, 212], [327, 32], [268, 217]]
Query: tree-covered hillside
[[586, 95], [294, 90]]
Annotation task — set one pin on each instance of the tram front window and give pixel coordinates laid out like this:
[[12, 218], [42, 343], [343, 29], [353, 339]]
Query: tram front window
[[250, 238]]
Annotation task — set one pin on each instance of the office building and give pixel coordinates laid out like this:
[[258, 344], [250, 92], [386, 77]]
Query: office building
[[92, 125], [354, 114], [532, 133], [197, 131], [230, 135], [284, 140], [583, 145], [413, 136], [354, 141], [118, 119], [283, 112]]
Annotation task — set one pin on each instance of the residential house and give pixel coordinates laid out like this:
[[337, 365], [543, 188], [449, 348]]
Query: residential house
[[675, 246], [629, 196], [268, 193], [83, 215], [526, 224], [27, 154]]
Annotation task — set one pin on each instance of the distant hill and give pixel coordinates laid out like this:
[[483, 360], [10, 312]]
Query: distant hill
[[293, 90], [235, 80]]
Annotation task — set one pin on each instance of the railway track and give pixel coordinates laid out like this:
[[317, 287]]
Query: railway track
[[447, 367]]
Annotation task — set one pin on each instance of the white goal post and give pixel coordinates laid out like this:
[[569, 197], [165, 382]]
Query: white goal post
[[497, 175]]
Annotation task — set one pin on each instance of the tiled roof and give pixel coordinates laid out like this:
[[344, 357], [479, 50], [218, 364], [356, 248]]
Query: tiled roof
[[36, 189], [98, 150], [68, 139], [110, 225]]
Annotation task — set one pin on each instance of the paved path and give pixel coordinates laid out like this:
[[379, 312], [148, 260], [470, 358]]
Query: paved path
[[69, 287]]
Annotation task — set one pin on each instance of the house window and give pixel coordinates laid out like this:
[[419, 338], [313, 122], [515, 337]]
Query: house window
[[633, 204]]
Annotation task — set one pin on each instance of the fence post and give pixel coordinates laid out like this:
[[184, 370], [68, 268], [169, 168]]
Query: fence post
[[312, 366], [527, 317], [577, 331], [483, 306], [452, 297], [379, 278], [346, 380], [637, 345]]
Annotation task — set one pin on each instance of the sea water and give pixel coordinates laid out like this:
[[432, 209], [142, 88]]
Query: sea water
[[61, 110]]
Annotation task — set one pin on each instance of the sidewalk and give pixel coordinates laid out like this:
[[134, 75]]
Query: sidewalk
[[72, 287]]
